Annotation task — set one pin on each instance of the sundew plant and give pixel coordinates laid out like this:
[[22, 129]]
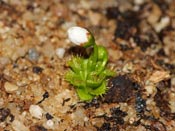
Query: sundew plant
[[88, 75]]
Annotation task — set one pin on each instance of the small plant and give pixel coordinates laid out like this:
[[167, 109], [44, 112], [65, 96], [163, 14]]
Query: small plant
[[88, 75]]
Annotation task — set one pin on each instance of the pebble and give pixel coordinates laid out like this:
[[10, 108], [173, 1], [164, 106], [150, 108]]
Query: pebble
[[162, 24], [78, 116], [19, 126], [128, 68], [50, 123], [150, 89], [36, 111], [9, 87], [158, 76], [60, 52], [33, 54], [86, 119]]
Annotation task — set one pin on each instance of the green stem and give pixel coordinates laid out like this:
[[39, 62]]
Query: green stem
[[95, 54]]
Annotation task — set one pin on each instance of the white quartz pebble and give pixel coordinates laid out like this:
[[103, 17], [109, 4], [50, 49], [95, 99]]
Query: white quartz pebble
[[162, 24], [50, 123], [36, 111], [60, 52]]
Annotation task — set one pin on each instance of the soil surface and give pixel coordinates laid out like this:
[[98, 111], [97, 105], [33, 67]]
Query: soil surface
[[139, 36]]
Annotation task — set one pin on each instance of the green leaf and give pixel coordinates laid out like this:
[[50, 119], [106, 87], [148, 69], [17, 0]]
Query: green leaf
[[75, 64], [84, 95], [100, 90], [93, 84], [74, 79], [108, 72]]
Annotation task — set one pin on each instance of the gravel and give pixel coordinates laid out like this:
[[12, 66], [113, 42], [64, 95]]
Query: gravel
[[139, 36]]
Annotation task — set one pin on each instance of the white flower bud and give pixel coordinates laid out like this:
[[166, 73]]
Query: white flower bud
[[78, 35]]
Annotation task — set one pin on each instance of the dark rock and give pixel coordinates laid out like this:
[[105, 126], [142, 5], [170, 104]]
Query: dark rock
[[48, 116], [140, 104], [37, 69], [4, 113]]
